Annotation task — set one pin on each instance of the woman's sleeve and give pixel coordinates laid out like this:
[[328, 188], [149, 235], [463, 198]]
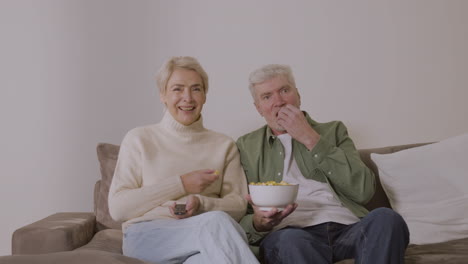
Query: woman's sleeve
[[233, 189], [127, 197]]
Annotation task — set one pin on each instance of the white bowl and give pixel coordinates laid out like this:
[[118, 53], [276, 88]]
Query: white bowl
[[268, 196]]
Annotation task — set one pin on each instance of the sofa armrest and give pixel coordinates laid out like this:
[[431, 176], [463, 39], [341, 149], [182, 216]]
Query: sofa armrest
[[57, 232]]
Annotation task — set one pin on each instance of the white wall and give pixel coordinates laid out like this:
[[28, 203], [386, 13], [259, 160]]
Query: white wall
[[75, 73]]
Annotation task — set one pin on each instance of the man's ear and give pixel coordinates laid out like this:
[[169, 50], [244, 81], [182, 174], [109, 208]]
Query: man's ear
[[258, 108]]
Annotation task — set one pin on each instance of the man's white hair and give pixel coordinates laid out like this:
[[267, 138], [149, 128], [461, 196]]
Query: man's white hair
[[268, 72]]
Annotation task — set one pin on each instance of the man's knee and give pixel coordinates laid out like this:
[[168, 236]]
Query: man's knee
[[387, 216], [388, 220], [292, 245], [286, 239]]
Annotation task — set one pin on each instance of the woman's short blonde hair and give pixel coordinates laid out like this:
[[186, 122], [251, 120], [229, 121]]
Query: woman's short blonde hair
[[183, 62]]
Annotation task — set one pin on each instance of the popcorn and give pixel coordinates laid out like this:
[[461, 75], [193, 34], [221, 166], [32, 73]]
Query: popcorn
[[270, 183]]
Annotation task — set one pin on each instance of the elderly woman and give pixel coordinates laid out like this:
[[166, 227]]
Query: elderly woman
[[180, 162]]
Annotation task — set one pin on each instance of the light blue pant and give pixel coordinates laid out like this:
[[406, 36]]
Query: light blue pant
[[212, 237]]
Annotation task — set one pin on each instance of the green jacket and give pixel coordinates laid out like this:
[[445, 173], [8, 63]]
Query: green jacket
[[333, 160]]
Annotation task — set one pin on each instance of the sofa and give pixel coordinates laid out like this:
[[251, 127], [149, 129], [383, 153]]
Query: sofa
[[94, 237]]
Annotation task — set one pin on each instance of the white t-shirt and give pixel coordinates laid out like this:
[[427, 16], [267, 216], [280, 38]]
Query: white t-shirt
[[316, 202]]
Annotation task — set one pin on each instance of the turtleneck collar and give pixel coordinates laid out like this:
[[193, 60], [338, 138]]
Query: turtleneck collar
[[169, 123]]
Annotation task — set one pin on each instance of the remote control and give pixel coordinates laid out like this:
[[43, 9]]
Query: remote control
[[180, 209]]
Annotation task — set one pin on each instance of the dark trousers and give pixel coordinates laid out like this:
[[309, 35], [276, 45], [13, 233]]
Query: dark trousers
[[381, 237]]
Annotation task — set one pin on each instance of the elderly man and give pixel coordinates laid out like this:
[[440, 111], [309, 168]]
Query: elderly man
[[329, 221]]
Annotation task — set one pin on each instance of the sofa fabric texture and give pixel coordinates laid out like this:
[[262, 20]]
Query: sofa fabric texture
[[71, 257], [104, 247], [104, 243], [107, 156], [58, 232]]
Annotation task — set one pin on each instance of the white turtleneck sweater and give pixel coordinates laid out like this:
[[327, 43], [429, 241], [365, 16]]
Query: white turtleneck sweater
[[151, 160]]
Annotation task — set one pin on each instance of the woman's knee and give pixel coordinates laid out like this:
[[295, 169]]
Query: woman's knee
[[217, 218], [221, 224]]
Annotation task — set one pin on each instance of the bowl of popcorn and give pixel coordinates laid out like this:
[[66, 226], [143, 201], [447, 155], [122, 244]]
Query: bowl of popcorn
[[271, 194]]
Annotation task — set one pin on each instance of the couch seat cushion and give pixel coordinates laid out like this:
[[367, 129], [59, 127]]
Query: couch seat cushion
[[451, 252], [108, 240], [71, 257]]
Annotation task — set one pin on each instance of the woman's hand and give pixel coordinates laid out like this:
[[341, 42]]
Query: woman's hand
[[196, 181], [264, 221], [193, 203]]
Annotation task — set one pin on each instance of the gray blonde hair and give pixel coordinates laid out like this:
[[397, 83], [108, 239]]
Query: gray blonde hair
[[181, 62], [268, 72]]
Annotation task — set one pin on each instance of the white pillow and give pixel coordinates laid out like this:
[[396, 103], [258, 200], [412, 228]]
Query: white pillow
[[428, 186]]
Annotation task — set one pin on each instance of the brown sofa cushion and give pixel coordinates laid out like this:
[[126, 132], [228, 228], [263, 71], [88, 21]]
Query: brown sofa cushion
[[107, 156], [451, 252], [109, 240], [58, 232], [72, 257]]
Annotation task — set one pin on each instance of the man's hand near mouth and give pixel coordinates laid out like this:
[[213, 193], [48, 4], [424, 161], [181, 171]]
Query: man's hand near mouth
[[293, 120]]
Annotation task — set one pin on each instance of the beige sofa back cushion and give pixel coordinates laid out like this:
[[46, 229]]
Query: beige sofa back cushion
[[108, 153]]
